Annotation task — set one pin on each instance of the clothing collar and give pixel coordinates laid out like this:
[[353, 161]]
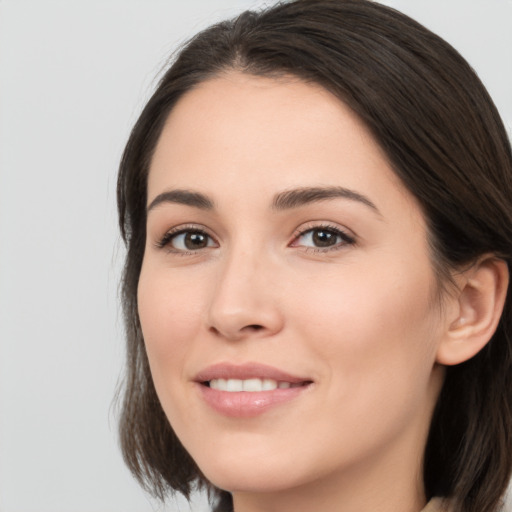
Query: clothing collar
[[436, 505]]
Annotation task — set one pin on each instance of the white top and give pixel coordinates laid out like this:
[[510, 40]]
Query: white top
[[436, 505]]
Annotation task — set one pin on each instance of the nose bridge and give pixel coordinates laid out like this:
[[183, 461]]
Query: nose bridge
[[243, 299]]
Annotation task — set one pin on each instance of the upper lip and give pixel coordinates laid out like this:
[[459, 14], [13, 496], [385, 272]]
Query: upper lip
[[247, 371]]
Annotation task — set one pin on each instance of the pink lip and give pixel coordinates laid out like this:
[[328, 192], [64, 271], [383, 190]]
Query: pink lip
[[247, 404], [246, 371]]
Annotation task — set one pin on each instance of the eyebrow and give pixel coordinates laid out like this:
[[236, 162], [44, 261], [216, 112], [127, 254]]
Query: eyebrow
[[286, 200], [186, 197], [301, 196]]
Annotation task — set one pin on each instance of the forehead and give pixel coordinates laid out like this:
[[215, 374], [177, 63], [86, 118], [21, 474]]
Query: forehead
[[239, 131]]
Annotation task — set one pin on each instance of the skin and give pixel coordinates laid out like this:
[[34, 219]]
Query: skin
[[358, 318]]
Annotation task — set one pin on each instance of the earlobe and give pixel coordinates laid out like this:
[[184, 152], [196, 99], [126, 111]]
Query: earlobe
[[479, 305]]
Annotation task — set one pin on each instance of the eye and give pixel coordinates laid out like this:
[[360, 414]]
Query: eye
[[187, 240], [323, 238]]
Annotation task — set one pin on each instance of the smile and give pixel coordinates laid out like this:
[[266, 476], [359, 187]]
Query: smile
[[250, 385], [248, 390]]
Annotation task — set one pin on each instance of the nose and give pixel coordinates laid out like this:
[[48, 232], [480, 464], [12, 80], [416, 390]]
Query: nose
[[244, 301]]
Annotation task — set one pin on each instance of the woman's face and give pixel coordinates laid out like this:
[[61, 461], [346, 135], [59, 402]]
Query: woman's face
[[286, 297]]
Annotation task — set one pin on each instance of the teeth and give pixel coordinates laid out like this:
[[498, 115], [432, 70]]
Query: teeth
[[268, 384], [249, 385], [234, 385]]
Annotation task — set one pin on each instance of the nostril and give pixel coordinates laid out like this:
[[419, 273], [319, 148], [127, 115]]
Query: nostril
[[246, 329], [254, 327], [234, 328]]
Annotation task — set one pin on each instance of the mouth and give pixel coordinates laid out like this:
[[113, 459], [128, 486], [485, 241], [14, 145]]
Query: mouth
[[248, 390], [254, 385]]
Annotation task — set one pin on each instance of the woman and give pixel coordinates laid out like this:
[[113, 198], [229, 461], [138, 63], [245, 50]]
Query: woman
[[316, 203]]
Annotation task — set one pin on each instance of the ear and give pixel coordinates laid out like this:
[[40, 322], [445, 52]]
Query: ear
[[478, 305]]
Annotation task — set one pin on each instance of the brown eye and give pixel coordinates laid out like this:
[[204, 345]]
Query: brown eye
[[185, 241], [323, 238], [195, 240]]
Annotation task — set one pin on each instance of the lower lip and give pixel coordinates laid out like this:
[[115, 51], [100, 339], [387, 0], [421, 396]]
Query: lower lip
[[244, 404]]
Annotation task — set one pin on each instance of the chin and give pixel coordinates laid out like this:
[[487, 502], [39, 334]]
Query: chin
[[251, 475], [251, 481]]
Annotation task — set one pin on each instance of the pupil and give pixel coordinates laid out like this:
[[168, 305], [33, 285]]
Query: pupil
[[324, 238], [195, 241]]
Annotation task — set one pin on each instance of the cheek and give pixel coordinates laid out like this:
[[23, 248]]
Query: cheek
[[376, 336], [372, 325], [170, 312]]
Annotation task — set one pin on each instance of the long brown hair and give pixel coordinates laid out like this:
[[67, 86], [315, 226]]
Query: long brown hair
[[443, 135]]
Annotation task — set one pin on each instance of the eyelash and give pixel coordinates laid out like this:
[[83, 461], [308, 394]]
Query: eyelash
[[165, 241], [346, 239]]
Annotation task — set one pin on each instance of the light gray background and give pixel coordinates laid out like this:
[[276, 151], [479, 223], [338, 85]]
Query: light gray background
[[73, 77]]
